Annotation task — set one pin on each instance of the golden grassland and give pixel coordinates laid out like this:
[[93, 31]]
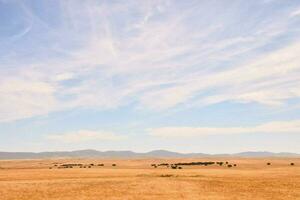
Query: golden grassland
[[135, 179]]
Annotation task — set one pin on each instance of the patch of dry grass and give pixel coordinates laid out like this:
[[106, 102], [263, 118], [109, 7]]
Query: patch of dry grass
[[136, 179]]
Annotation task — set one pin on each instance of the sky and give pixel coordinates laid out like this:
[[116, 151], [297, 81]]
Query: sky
[[187, 76]]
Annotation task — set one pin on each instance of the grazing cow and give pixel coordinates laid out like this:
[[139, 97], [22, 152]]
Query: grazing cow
[[164, 164], [229, 166]]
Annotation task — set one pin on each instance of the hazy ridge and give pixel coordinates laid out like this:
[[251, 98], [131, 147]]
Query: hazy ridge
[[130, 154]]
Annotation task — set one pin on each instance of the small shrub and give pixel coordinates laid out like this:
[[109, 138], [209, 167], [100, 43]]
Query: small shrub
[[166, 175], [292, 164]]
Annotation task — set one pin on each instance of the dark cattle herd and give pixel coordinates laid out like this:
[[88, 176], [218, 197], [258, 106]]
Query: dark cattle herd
[[181, 164], [178, 165], [76, 165]]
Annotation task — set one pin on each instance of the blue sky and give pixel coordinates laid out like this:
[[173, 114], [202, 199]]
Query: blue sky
[[188, 76]]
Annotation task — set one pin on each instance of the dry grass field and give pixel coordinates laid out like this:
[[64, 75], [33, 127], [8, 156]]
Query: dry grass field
[[135, 179]]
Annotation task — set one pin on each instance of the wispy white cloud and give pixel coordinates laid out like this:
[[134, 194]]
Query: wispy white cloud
[[270, 127], [295, 13], [63, 77], [269, 80], [24, 98], [154, 54], [81, 136]]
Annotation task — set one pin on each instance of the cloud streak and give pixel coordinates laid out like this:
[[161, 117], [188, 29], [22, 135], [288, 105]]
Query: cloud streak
[[82, 136], [186, 132]]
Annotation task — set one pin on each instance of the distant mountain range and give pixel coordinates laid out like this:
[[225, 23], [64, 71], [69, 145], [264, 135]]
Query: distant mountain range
[[130, 154]]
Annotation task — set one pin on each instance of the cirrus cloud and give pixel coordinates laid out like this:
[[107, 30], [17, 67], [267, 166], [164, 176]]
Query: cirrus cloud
[[155, 56], [85, 136], [182, 132]]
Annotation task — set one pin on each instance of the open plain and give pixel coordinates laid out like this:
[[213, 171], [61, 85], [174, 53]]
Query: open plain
[[94, 179]]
